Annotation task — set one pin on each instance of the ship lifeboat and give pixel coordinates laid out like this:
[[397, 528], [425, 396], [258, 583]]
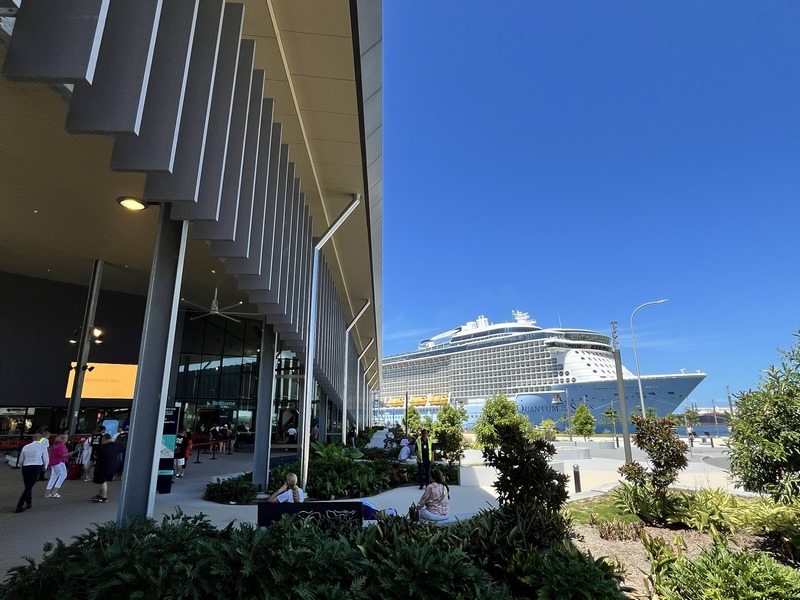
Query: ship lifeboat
[[419, 401], [395, 402], [438, 400]]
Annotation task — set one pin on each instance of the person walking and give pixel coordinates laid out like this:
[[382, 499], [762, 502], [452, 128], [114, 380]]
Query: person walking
[[59, 456], [292, 433], [86, 456], [424, 458], [181, 444], [34, 460], [105, 466], [96, 442]]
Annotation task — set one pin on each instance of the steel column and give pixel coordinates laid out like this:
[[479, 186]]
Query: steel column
[[346, 368], [264, 407], [311, 339], [84, 343], [137, 496]]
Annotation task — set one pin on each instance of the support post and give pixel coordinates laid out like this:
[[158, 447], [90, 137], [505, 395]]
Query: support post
[[265, 407], [311, 340], [137, 495], [84, 343], [623, 405], [347, 372]]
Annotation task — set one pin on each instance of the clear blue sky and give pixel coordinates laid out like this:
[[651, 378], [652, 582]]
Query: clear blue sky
[[577, 159]]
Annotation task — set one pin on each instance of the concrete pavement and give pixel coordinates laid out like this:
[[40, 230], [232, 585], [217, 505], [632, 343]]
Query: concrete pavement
[[66, 517]]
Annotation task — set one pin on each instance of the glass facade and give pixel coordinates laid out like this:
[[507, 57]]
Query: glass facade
[[217, 378]]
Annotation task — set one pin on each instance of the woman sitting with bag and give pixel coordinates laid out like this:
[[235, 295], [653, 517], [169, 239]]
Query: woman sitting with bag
[[433, 505]]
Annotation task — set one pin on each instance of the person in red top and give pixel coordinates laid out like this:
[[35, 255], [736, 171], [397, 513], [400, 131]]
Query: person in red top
[[59, 456]]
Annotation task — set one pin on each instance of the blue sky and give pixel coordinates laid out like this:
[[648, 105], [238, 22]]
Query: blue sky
[[577, 159]]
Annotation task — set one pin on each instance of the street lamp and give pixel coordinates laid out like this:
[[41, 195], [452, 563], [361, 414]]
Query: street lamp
[[635, 355]]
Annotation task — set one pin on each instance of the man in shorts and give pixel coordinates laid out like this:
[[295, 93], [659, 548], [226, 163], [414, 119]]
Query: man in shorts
[[181, 443]]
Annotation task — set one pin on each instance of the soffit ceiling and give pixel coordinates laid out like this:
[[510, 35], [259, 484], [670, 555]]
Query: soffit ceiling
[[57, 194]]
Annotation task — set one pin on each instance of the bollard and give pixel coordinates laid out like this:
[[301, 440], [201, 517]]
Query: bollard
[[711, 439], [198, 455], [576, 475]]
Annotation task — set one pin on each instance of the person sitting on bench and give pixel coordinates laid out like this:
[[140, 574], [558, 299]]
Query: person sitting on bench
[[289, 491]]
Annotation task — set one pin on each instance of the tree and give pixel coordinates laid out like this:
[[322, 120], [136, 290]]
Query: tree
[[525, 476], [448, 431], [765, 431], [497, 411], [583, 422], [414, 425], [691, 417], [549, 430], [666, 454], [637, 410], [611, 417]]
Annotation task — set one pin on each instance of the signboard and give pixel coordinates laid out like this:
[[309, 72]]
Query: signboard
[[111, 381], [166, 459]]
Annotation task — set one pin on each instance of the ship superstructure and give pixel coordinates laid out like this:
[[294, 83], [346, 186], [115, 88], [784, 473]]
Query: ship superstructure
[[535, 367]]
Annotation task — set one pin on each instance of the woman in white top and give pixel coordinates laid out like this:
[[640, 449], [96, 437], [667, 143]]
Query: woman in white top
[[289, 491], [86, 456]]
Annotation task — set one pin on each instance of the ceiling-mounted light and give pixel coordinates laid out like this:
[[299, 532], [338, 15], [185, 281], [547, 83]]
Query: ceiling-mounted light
[[131, 203]]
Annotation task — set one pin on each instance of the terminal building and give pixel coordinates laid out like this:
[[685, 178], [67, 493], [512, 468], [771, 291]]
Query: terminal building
[[246, 288]]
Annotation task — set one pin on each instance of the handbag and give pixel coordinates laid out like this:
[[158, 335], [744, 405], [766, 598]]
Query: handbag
[[413, 513]]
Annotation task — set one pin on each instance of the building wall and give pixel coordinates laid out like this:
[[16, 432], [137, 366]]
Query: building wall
[[37, 318]]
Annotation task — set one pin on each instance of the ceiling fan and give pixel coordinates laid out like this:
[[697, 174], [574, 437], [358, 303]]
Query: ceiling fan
[[215, 310]]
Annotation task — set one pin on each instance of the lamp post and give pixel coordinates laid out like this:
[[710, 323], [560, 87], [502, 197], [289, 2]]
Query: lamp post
[[635, 355]]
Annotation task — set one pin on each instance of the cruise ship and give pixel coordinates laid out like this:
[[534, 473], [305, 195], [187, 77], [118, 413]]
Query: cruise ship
[[543, 371]]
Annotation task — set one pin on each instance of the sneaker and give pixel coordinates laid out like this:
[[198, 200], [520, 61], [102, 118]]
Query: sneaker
[[102, 500], [48, 495], [19, 509], [56, 495], [96, 497]]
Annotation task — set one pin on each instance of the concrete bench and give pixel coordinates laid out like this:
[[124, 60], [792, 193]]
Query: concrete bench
[[352, 510]]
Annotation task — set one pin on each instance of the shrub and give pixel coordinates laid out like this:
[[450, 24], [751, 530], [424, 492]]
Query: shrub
[[498, 411], [617, 530], [583, 423], [564, 572], [233, 490], [765, 432], [779, 523], [524, 473], [492, 536], [448, 431], [186, 557], [719, 572], [335, 451], [645, 503], [703, 509], [666, 456]]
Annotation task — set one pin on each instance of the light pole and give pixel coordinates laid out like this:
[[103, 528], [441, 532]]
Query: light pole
[[636, 356]]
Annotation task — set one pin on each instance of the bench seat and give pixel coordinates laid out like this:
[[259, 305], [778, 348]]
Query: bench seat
[[269, 512]]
